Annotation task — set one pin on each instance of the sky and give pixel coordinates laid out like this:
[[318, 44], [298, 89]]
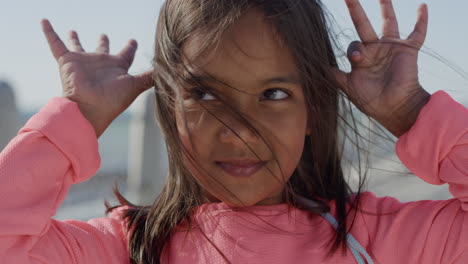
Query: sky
[[26, 62]]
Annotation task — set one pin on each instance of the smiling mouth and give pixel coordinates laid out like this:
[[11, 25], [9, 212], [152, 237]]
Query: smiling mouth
[[241, 168]]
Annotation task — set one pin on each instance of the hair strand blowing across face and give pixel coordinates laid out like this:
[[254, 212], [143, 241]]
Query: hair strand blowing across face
[[301, 26]]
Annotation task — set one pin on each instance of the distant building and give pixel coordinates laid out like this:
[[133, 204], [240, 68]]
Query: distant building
[[8, 114]]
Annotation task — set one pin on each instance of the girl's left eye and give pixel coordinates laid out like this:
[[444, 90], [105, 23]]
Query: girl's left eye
[[275, 94]]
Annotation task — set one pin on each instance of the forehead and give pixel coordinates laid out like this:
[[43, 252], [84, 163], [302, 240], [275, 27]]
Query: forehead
[[249, 51]]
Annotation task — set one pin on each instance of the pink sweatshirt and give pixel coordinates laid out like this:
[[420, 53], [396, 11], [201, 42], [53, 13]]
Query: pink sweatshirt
[[57, 148]]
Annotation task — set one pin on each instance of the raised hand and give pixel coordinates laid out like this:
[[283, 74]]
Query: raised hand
[[97, 81], [383, 82]]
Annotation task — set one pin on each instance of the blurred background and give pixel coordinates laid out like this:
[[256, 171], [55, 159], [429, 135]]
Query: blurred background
[[131, 149]]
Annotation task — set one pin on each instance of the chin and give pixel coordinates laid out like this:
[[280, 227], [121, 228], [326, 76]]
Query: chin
[[252, 202], [240, 204], [246, 199]]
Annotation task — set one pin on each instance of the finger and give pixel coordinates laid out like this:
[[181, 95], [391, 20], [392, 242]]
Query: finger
[[418, 36], [103, 44], [357, 55], [128, 52], [56, 45], [361, 22], [390, 23], [74, 42], [144, 81]]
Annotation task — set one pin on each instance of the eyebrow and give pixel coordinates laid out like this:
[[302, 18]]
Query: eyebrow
[[291, 79], [281, 79]]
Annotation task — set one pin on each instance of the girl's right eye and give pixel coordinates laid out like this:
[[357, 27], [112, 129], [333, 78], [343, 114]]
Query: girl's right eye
[[201, 94]]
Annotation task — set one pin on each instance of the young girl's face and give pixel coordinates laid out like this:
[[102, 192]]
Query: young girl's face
[[265, 88]]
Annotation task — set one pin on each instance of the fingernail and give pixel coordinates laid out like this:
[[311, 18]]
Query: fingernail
[[356, 53]]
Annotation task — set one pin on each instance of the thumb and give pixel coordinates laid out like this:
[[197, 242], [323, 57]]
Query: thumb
[[341, 76], [143, 82], [342, 79], [346, 86]]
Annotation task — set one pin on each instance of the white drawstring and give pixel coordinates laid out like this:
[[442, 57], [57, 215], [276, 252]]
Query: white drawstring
[[354, 246]]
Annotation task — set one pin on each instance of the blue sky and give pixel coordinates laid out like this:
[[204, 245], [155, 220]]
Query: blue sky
[[26, 62]]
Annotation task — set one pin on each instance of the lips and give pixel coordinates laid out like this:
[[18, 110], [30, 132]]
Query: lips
[[241, 168]]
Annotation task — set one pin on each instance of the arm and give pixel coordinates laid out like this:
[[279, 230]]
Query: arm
[[56, 148], [436, 150], [383, 83]]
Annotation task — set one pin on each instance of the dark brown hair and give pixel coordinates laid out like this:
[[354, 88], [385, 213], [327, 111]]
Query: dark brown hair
[[304, 28]]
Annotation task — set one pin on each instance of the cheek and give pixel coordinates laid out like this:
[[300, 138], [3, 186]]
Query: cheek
[[288, 128], [195, 131], [288, 132], [182, 130], [192, 127], [198, 135]]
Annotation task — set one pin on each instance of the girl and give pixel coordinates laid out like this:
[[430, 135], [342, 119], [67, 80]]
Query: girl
[[249, 97]]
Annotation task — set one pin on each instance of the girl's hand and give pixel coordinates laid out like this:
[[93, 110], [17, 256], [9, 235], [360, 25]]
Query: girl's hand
[[383, 82], [97, 81]]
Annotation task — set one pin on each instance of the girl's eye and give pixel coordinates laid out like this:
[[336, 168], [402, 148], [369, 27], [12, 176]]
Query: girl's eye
[[275, 94], [200, 94]]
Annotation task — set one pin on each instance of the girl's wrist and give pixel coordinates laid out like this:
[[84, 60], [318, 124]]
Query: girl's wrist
[[404, 118], [91, 115]]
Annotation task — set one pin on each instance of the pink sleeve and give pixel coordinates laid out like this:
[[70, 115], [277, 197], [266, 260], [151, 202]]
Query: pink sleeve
[[436, 150], [55, 149]]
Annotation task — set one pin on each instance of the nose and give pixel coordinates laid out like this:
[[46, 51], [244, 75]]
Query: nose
[[237, 133]]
